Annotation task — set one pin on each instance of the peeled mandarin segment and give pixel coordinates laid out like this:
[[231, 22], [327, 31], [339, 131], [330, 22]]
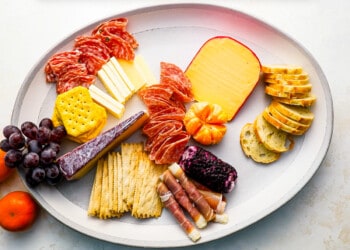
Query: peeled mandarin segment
[[217, 115], [201, 110], [193, 125], [225, 72], [204, 136]]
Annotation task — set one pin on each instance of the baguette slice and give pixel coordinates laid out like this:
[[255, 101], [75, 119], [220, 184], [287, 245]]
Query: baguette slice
[[302, 76], [273, 139], [286, 120], [300, 114], [253, 148], [291, 89], [303, 101], [275, 92], [279, 125], [293, 82], [282, 69]]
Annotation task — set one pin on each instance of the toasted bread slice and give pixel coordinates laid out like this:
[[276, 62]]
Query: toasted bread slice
[[273, 139], [291, 89], [302, 76], [303, 101], [276, 92], [253, 148], [300, 114], [292, 82], [286, 120], [279, 125], [282, 69]]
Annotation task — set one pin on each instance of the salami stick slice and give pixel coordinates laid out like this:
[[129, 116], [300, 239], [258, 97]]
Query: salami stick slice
[[193, 192], [171, 204], [182, 198]]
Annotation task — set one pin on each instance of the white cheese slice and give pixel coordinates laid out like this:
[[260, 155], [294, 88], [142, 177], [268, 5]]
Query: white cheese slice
[[113, 61], [117, 81], [110, 86], [113, 106], [143, 68]]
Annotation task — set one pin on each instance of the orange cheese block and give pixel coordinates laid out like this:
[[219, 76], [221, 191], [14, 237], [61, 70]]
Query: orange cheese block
[[224, 72]]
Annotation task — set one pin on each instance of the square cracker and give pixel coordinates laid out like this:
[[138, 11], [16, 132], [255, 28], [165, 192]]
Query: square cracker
[[78, 112]]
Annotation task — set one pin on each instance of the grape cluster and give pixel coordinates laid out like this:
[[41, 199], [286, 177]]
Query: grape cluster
[[34, 148]]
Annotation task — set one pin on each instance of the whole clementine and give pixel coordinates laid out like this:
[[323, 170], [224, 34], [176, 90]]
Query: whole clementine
[[5, 171], [18, 211]]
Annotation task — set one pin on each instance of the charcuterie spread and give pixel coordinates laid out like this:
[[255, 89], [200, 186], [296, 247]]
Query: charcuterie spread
[[184, 114]]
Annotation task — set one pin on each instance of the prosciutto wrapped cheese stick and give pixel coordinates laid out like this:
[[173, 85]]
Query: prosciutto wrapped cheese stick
[[171, 204], [182, 198], [193, 192]]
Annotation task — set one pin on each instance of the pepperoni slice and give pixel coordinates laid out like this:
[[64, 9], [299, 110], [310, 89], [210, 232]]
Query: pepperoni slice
[[172, 76], [93, 62], [156, 91], [85, 81], [113, 33], [72, 70], [155, 128], [120, 23], [57, 64], [171, 149], [92, 44]]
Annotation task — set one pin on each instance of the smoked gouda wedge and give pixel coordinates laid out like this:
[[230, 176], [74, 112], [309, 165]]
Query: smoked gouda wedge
[[224, 72]]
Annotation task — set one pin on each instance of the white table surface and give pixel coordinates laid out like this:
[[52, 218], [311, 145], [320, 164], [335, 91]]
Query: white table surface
[[318, 217]]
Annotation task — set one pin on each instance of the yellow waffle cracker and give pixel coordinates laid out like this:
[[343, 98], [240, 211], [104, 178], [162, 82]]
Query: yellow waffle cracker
[[79, 114]]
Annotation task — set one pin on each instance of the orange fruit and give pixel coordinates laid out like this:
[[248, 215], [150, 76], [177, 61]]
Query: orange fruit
[[18, 211], [5, 171]]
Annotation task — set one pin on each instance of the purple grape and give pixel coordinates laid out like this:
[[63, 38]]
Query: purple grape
[[46, 122], [13, 158], [43, 135], [29, 129], [31, 160], [9, 130], [47, 156], [54, 181], [29, 179], [58, 133], [55, 146], [17, 140], [5, 145], [34, 146], [38, 174], [52, 171]]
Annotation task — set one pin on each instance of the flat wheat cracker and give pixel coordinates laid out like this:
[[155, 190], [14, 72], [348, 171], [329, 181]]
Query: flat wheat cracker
[[149, 204], [95, 196], [122, 208], [105, 211], [126, 182]]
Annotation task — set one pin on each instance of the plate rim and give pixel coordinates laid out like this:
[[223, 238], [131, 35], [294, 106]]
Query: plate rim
[[320, 157]]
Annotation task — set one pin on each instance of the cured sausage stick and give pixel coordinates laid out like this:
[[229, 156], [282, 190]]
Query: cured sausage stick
[[182, 198], [171, 204], [193, 192]]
